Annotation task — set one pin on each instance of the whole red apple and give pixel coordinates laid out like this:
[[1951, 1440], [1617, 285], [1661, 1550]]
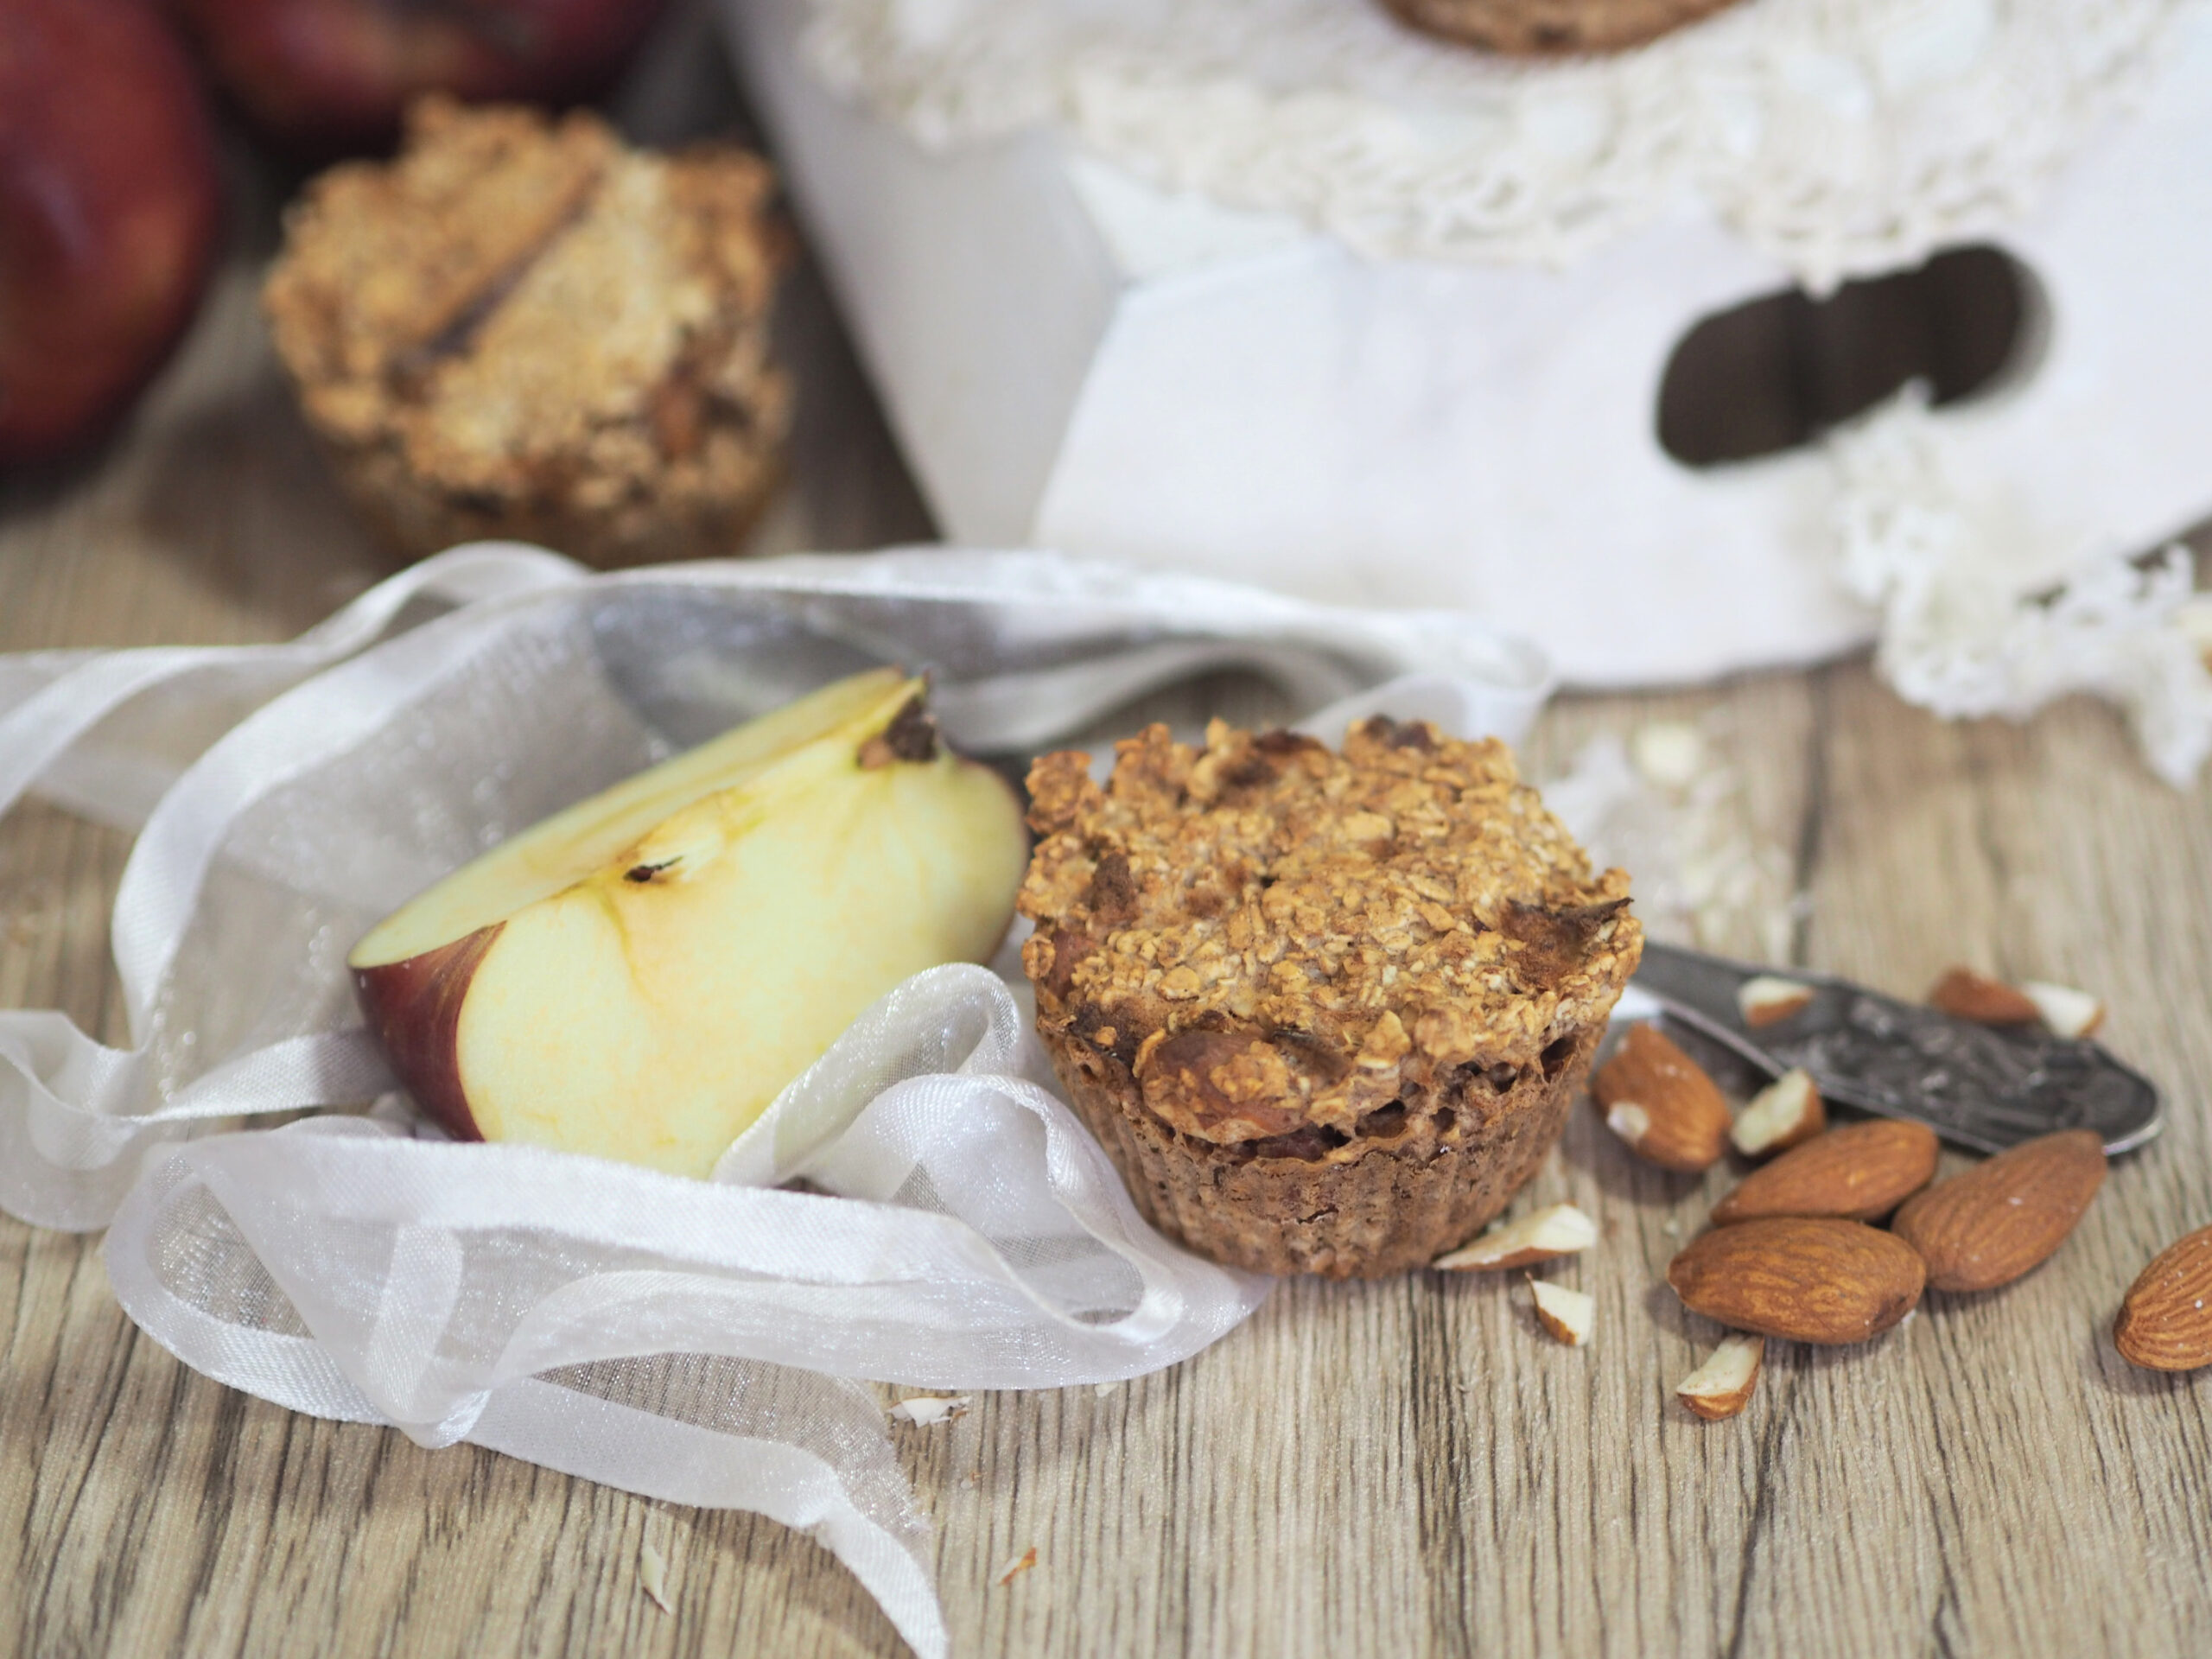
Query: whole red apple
[[325, 76], [108, 210]]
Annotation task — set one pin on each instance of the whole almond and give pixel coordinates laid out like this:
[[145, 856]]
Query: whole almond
[[2164, 1326], [1965, 995], [1660, 1101], [2007, 1214], [1857, 1172], [1805, 1279]]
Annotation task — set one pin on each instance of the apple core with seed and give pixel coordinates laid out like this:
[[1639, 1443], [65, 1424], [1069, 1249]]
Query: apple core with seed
[[637, 977]]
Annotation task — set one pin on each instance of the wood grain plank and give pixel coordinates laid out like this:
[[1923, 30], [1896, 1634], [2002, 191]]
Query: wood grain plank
[[2046, 850], [1407, 1467]]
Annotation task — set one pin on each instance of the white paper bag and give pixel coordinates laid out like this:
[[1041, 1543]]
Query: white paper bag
[[1285, 292]]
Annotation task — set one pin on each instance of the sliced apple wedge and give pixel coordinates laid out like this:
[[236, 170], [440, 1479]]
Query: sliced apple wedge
[[637, 977]]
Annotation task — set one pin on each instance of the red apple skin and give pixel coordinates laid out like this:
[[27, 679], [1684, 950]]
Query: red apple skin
[[327, 77], [110, 211], [413, 1008]]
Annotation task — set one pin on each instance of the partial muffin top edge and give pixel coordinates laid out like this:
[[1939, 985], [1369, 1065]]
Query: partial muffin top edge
[[1267, 935]]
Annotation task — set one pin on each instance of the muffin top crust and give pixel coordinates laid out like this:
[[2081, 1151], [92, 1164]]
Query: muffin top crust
[[1269, 935]]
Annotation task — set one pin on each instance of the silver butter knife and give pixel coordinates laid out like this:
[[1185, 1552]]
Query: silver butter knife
[[1981, 1086]]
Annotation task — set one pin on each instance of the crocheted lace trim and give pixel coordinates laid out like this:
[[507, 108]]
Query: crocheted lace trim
[[1960, 638], [1841, 137]]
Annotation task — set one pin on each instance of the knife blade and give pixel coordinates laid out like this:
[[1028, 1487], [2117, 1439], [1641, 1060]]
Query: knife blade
[[1981, 1086]]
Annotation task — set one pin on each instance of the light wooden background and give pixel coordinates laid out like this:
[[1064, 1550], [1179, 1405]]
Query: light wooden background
[[1407, 1467]]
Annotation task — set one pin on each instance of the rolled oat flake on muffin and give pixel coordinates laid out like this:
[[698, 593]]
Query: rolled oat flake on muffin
[[1326, 1011]]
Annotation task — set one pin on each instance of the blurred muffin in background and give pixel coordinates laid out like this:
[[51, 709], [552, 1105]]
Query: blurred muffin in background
[[1552, 27], [519, 328]]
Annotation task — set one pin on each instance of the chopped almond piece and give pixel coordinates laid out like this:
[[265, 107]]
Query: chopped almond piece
[[1568, 1314], [1786, 1113], [1722, 1386], [1660, 1102], [652, 1576], [1557, 1229], [1767, 1000], [1965, 995], [923, 1409], [2067, 1012]]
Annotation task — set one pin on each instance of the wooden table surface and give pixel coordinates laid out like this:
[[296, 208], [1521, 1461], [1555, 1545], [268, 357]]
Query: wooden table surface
[[1407, 1467]]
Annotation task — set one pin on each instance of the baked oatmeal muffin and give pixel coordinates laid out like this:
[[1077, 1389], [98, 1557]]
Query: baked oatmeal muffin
[[1327, 1011], [1552, 27], [521, 328]]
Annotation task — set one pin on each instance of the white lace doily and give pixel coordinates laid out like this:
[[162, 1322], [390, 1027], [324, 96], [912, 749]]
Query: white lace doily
[[1840, 136], [1960, 638]]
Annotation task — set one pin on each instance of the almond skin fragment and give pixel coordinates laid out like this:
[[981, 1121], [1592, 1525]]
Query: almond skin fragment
[[1767, 1000], [1557, 1229], [2006, 1215], [1786, 1113], [1722, 1386], [1568, 1314], [1805, 1279], [1965, 995], [2164, 1323], [1660, 1101], [1856, 1173]]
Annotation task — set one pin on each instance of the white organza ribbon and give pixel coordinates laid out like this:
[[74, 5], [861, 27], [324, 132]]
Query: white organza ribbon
[[692, 1341], [978, 1237]]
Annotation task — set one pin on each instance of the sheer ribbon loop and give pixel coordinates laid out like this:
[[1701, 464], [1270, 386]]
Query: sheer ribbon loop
[[691, 1339]]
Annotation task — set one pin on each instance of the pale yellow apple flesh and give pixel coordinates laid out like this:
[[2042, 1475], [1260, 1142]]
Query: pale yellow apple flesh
[[637, 977]]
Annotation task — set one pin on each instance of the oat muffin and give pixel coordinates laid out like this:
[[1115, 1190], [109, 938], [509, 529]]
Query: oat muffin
[[521, 328], [1552, 27], [1327, 1011]]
